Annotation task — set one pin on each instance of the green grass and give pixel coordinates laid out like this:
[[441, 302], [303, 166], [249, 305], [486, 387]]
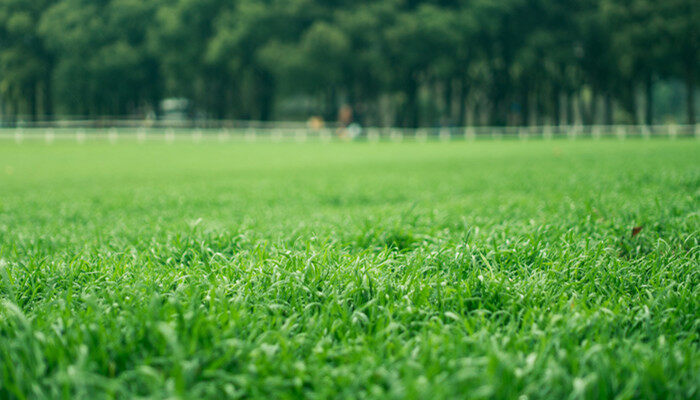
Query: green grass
[[440, 270]]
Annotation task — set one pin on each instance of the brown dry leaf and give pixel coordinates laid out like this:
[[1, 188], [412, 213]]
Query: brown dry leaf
[[636, 230]]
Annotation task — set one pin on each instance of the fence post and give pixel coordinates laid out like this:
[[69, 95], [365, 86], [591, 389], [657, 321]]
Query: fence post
[[621, 132], [301, 135], [523, 133], [170, 135], [469, 133], [197, 135], [421, 135], [141, 135], [547, 132], [19, 135], [396, 135], [250, 135], [325, 134], [112, 135], [80, 136], [444, 134], [673, 131], [497, 133], [373, 135], [223, 135], [49, 136]]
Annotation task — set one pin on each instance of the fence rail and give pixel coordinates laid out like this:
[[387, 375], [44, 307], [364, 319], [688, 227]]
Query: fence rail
[[302, 133]]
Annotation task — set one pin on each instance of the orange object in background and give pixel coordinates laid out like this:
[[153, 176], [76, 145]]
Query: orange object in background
[[315, 123], [345, 115]]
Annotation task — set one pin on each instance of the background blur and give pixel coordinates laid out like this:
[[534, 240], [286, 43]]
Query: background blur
[[404, 63]]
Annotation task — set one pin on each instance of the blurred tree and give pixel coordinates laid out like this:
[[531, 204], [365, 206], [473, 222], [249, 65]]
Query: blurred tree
[[639, 52], [102, 64], [367, 71], [411, 62], [678, 25], [240, 36], [318, 64], [417, 42], [598, 61], [179, 36], [25, 64]]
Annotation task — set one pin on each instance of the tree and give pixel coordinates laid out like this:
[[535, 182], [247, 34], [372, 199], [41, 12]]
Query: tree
[[416, 42], [678, 21], [102, 66], [179, 37], [406, 62], [25, 64]]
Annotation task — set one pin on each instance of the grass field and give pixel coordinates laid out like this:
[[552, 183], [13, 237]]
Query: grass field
[[350, 270]]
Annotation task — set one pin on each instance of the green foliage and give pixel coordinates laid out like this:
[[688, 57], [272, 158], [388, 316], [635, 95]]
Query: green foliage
[[424, 62], [24, 61], [102, 64], [440, 270]]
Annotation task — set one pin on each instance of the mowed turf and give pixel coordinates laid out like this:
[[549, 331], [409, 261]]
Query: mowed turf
[[350, 270]]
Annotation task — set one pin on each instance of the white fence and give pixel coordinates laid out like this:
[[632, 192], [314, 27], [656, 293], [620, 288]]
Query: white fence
[[301, 133]]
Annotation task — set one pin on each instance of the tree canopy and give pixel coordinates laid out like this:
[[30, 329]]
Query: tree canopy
[[394, 62]]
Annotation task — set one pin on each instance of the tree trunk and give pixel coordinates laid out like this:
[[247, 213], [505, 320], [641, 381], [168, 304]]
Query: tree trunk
[[433, 114], [463, 91], [481, 112], [499, 97], [690, 97], [447, 113], [47, 101], [265, 87], [636, 107], [586, 108], [411, 113], [569, 108], [593, 108], [15, 111], [649, 103], [329, 109], [539, 107], [32, 99], [524, 117], [557, 107], [608, 109], [499, 111]]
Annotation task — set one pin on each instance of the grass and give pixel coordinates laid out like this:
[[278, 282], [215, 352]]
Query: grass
[[441, 270]]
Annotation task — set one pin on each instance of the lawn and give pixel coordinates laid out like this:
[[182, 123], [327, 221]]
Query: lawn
[[490, 269]]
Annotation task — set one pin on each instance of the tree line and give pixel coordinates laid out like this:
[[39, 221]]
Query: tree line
[[394, 62]]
